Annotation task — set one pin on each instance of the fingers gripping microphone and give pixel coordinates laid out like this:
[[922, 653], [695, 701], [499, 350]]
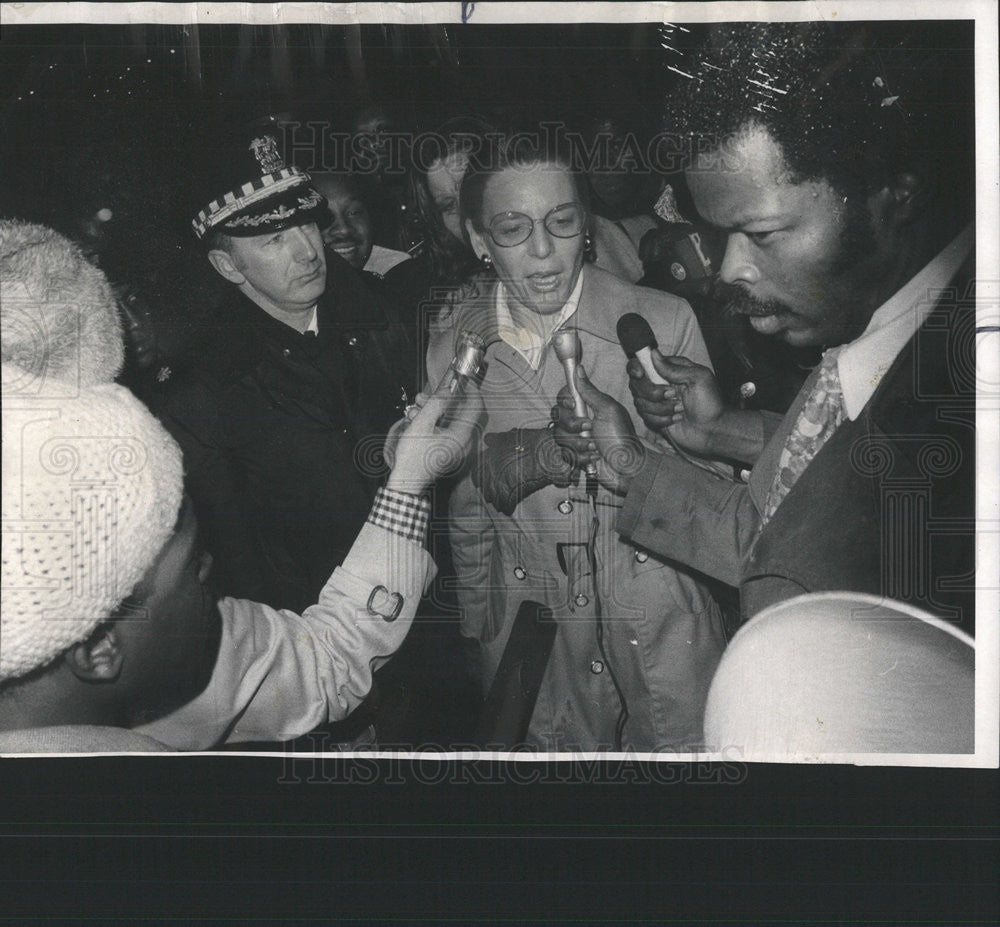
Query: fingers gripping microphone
[[637, 340], [569, 351]]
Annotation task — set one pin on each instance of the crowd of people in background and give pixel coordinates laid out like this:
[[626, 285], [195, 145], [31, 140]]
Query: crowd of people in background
[[324, 298]]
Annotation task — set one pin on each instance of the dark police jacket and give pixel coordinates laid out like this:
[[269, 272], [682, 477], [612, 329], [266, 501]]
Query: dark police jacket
[[282, 435]]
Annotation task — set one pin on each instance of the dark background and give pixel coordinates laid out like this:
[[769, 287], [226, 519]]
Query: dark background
[[115, 116]]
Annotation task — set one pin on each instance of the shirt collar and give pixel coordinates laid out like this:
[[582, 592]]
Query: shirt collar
[[862, 363], [313, 325], [530, 343]]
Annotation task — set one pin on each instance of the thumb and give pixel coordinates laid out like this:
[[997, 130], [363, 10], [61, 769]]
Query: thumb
[[465, 411], [675, 369], [427, 416], [590, 393]]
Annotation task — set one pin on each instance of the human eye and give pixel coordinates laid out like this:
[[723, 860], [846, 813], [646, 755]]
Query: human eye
[[276, 239], [448, 206]]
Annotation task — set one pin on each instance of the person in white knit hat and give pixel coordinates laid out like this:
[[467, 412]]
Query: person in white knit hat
[[108, 629], [108, 624], [60, 318]]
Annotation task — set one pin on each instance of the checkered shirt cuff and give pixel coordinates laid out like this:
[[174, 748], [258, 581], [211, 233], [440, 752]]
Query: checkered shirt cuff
[[401, 513]]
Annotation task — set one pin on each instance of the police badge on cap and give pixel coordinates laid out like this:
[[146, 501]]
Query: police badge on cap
[[253, 191]]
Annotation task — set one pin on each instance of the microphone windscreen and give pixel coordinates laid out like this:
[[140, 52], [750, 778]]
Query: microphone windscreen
[[566, 344], [634, 333]]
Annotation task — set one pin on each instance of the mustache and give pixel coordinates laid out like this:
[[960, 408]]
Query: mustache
[[732, 300]]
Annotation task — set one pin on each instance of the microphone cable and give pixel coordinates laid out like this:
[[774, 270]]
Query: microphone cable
[[595, 525]]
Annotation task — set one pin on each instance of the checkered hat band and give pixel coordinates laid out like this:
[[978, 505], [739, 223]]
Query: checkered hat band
[[253, 192]]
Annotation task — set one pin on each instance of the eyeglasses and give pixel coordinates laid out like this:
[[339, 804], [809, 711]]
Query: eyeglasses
[[513, 228]]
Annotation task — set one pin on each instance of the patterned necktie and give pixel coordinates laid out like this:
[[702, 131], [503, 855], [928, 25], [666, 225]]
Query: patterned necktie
[[821, 415]]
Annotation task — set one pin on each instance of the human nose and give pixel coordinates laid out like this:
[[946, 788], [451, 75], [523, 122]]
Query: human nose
[[304, 252], [540, 241], [737, 264], [337, 230]]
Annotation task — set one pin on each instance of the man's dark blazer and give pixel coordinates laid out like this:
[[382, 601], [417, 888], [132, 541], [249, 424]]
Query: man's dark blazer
[[886, 507]]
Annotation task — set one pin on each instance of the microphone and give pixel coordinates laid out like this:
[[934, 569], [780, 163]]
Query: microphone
[[637, 340], [468, 360], [567, 346]]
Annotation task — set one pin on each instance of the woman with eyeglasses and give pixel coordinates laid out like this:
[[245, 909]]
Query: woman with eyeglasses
[[637, 640]]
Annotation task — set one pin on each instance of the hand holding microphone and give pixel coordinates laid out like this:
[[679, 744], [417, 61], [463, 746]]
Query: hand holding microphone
[[605, 426], [426, 446], [667, 391], [566, 344], [450, 396], [681, 400]]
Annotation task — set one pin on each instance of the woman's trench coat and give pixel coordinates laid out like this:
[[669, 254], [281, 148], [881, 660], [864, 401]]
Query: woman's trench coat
[[663, 632]]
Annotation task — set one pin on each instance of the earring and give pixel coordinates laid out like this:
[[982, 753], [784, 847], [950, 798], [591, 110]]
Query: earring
[[487, 260], [588, 247]]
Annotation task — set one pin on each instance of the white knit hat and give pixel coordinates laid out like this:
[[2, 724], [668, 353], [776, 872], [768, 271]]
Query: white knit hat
[[91, 490], [58, 317]]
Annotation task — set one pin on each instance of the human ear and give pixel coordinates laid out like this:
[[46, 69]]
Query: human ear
[[477, 241], [901, 200], [224, 264], [99, 658]]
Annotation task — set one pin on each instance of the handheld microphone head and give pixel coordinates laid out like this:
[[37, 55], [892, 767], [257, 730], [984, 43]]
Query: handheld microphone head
[[468, 360], [634, 334], [566, 344], [469, 354], [638, 341]]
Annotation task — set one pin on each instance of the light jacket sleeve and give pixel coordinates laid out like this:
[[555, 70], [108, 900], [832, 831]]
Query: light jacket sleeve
[[279, 675], [690, 515]]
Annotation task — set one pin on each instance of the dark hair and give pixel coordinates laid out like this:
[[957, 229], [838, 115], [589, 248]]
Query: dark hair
[[215, 239], [520, 151], [360, 185], [851, 103], [450, 260]]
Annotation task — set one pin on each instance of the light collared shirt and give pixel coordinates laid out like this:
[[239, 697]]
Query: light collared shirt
[[313, 325], [530, 342], [862, 363], [382, 260]]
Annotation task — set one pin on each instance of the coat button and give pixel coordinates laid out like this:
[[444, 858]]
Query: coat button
[[597, 667], [565, 507], [748, 390], [581, 600], [745, 476], [287, 352], [353, 341], [641, 556], [520, 572]]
